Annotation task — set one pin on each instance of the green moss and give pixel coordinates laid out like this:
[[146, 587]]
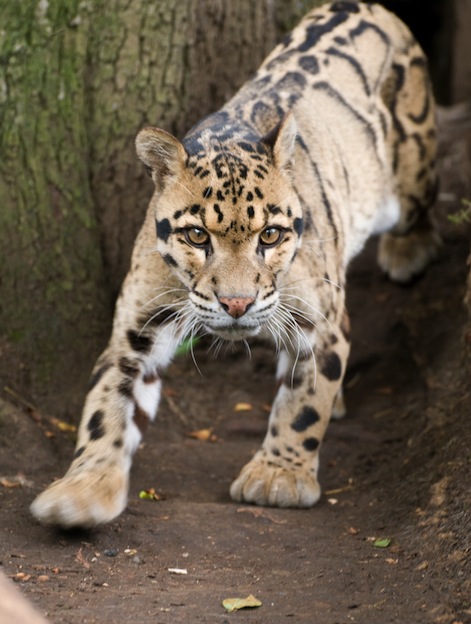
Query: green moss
[[49, 239]]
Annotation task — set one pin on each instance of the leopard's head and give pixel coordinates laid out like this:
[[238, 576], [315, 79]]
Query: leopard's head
[[228, 221]]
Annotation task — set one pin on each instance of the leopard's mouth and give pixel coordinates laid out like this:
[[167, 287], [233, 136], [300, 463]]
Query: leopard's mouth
[[235, 331]]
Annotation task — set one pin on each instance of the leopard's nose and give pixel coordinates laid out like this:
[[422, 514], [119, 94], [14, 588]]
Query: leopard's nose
[[236, 306]]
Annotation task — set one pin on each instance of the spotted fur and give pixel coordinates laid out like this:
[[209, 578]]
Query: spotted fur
[[255, 217]]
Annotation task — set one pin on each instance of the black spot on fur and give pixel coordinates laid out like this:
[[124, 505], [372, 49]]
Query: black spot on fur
[[311, 444], [217, 210], [341, 41], [97, 375], [170, 260], [118, 443], [298, 226], [208, 191], [250, 212], [315, 32], [344, 5], [195, 209], [138, 342], [309, 64], [125, 387], [274, 431], [78, 452], [291, 82], [128, 367], [305, 419], [293, 382], [275, 452], [331, 366], [164, 229], [258, 192], [95, 425], [247, 147]]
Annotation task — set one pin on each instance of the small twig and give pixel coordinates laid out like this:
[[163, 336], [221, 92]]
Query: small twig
[[20, 399], [176, 410]]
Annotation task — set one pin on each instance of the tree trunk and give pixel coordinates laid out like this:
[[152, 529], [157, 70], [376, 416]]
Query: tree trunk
[[163, 63], [54, 307], [77, 81]]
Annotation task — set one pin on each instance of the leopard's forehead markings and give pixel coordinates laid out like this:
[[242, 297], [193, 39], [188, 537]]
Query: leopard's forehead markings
[[232, 166]]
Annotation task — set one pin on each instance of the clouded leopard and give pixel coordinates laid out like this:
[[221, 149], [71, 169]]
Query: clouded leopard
[[255, 216]]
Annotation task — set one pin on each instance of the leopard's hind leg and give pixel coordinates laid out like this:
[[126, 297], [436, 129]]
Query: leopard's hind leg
[[407, 249]]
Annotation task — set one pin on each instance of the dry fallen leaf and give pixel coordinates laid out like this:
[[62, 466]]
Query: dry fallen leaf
[[15, 481], [243, 407], [62, 425], [422, 566], [234, 604], [22, 577], [204, 435]]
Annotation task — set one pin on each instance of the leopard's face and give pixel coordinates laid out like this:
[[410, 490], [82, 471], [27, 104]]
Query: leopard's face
[[228, 225]]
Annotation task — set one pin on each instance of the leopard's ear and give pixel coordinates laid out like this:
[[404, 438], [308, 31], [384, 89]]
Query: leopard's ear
[[162, 154], [282, 140]]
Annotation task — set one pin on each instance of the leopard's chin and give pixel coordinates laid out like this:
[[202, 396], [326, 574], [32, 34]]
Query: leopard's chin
[[235, 332]]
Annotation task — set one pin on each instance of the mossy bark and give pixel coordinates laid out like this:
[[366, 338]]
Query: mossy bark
[[53, 304], [77, 81]]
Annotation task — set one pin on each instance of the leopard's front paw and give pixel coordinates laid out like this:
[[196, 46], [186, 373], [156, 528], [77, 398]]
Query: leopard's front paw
[[83, 499], [263, 483]]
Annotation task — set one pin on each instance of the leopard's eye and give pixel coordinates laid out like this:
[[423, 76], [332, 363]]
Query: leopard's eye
[[198, 237], [271, 236]]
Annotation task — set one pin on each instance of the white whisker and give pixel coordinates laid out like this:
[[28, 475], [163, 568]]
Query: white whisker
[[313, 308], [247, 349]]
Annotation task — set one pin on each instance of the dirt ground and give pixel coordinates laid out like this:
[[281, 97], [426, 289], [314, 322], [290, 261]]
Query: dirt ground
[[396, 469]]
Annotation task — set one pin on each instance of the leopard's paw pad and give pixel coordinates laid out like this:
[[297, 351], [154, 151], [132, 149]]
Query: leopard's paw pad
[[263, 483]]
